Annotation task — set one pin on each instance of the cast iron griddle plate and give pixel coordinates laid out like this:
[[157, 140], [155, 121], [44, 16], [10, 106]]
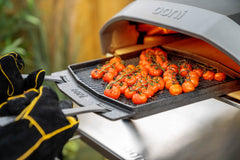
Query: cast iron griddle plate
[[162, 100]]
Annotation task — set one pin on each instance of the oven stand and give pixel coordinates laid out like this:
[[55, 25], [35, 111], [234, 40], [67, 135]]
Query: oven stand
[[208, 126]]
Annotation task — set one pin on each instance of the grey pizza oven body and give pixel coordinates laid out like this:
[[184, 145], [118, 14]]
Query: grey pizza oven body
[[209, 30], [214, 21]]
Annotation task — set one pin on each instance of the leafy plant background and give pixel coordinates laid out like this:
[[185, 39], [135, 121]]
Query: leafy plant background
[[21, 31]]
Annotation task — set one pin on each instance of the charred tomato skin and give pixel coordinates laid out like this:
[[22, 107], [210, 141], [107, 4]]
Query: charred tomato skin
[[199, 72], [113, 92], [122, 87], [208, 75], [139, 98], [194, 80], [119, 67], [115, 60], [130, 80], [171, 82], [192, 74], [183, 72], [148, 92], [96, 74], [173, 67], [220, 76], [186, 66], [128, 93], [154, 71], [175, 89], [159, 82], [107, 77], [188, 86]]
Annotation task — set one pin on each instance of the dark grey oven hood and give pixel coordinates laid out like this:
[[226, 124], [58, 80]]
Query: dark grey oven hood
[[213, 21]]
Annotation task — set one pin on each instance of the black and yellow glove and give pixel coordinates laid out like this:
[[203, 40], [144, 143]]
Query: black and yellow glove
[[40, 129], [11, 81]]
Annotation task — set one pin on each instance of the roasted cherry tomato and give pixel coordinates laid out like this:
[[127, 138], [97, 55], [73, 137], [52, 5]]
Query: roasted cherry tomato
[[184, 71], [137, 86], [122, 87], [188, 86], [155, 71], [146, 65], [194, 80], [106, 67], [131, 67], [143, 82], [199, 72], [139, 98], [115, 60], [143, 62], [169, 73], [138, 76], [173, 67], [113, 71], [192, 74], [209, 75], [148, 92], [160, 52], [159, 82], [113, 92], [175, 89], [96, 74], [159, 59], [119, 66], [165, 65], [128, 93], [130, 80], [143, 56], [150, 52], [187, 66], [108, 77], [171, 82], [220, 76], [153, 86], [167, 78]]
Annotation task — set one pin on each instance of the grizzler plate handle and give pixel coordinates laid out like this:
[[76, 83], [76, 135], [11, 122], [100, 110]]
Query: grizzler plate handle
[[88, 105], [79, 110], [48, 78], [68, 112]]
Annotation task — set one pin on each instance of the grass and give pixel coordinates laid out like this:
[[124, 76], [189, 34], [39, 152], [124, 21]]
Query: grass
[[77, 149]]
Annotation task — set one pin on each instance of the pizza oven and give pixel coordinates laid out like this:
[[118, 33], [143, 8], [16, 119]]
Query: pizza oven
[[207, 28], [203, 32]]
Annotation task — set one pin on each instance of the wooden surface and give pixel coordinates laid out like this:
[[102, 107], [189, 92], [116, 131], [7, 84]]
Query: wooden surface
[[72, 26], [235, 95]]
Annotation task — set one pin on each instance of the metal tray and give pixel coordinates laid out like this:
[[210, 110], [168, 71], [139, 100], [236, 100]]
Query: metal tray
[[124, 108]]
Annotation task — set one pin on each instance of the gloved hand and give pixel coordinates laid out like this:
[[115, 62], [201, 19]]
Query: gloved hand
[[11, 81], [40, 129]]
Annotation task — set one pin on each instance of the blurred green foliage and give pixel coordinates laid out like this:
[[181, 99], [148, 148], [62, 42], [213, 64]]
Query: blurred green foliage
[[76, 149], [21, 31]]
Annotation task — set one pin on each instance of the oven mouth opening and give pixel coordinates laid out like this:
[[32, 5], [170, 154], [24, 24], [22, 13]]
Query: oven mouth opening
[[124, 37], [129, 39]]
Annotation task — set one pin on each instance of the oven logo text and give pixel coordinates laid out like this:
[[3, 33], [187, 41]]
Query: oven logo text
[[78, 93], [171, 13]]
